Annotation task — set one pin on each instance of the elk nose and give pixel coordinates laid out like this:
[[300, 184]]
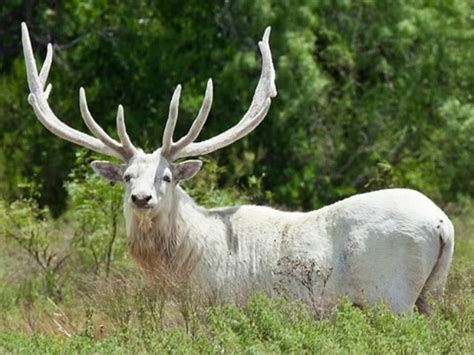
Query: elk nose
[[141, 201]]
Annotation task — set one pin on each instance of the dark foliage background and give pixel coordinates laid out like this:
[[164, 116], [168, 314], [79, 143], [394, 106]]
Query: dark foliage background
[[372, 94]]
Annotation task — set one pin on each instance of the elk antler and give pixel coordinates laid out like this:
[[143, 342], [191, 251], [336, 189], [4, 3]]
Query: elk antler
[[253, 117], [38, 99]]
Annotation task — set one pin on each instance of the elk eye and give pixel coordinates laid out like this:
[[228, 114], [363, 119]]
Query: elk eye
[[127, 178], [166, 178]]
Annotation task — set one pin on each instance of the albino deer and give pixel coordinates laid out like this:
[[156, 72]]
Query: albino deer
[[393, 246]]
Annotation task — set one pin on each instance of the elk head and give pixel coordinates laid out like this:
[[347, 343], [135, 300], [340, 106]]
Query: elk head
[[150, 179]]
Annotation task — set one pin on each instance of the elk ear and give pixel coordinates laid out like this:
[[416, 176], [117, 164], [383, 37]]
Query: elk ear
[[185, 170], [108, 171]]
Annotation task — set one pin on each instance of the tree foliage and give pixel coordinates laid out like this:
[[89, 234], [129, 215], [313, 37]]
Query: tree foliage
[[372, 94]]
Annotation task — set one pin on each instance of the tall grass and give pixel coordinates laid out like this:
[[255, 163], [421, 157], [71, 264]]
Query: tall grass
[[82, 308]]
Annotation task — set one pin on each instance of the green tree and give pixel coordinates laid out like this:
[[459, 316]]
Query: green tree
[[372, 94]]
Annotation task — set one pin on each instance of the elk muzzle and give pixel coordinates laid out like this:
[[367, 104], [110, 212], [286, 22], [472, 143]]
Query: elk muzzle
[[141, 201]]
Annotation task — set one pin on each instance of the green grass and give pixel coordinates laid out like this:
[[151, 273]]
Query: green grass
[[264, 325], [121, 314]]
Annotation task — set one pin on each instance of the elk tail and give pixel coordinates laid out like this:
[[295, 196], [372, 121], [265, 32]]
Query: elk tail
[[436, 281]]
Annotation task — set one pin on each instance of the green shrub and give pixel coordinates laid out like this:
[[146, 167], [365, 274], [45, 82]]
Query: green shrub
[[95, 212]]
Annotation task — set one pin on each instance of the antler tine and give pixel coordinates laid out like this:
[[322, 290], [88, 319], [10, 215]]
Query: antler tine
[[92, 124], [122, 132], [126, 147], [257, 111], [44, 72], [167, 142], [38, 99], [198, 123], [48, 90]]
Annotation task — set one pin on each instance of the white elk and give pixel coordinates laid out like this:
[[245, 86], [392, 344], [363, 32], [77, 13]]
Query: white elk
[[393, 246]]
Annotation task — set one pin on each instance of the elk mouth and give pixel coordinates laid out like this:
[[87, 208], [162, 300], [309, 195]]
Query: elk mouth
[[145, 207]]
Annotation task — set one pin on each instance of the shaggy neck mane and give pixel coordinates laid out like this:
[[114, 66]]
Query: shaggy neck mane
[[160, 242]]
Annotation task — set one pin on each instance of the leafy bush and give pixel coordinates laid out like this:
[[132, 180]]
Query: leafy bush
[[36, 234], [95, 211]]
